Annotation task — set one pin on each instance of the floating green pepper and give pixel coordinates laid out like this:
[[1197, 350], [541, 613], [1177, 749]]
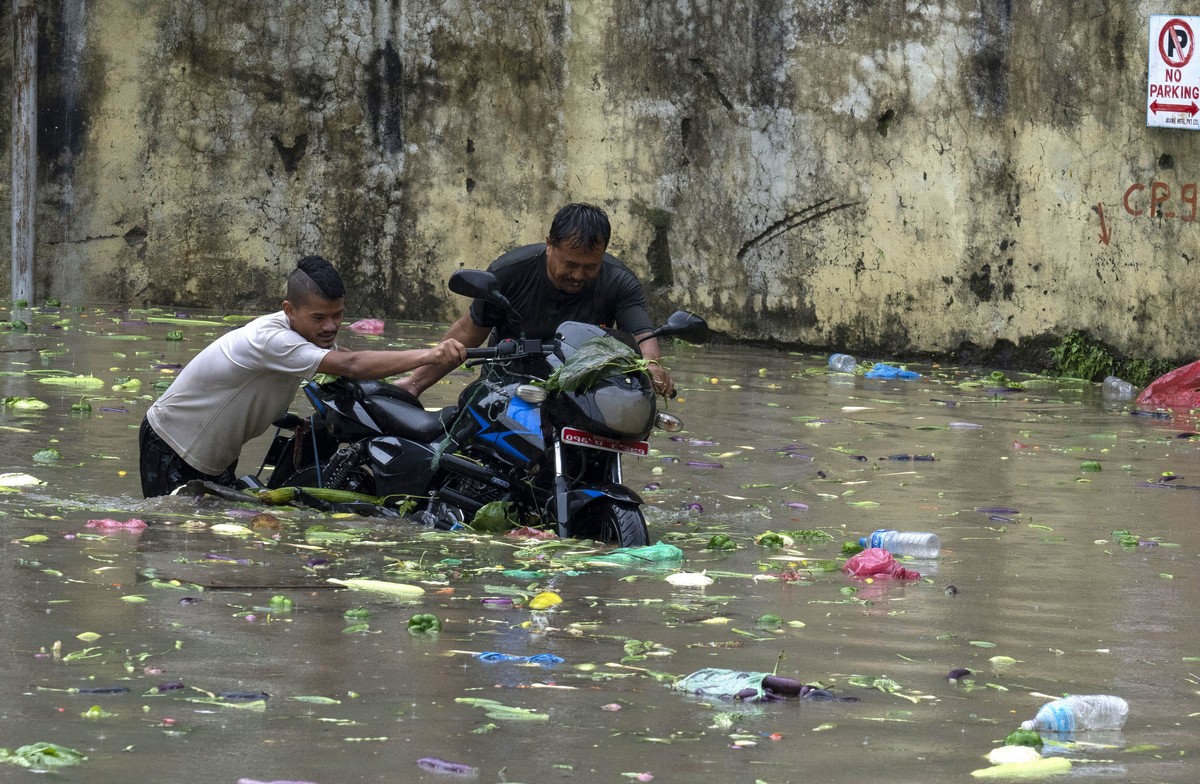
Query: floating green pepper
[[424, 623], [721, 542], [281, 604]]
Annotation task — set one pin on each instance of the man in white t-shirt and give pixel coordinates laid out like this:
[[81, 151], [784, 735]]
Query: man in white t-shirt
[[236, 387]]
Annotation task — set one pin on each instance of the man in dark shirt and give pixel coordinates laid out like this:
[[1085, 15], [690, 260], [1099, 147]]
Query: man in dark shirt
[[569, 278]]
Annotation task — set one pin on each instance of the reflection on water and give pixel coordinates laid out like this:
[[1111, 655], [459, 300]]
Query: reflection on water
[[1033, 591]]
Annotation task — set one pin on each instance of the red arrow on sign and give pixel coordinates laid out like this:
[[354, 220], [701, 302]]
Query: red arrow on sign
[[1184, 108]]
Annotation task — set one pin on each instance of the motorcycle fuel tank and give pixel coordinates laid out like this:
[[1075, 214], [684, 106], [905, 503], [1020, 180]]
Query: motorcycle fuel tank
[[503, 423]]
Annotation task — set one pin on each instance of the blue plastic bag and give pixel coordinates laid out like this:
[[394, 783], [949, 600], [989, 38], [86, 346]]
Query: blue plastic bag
[[544, 659], [883, 370]]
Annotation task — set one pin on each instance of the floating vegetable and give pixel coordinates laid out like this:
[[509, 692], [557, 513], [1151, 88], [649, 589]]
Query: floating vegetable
[[1046, 766], [43, 756], [772, 539], [424, 623], [25, 404], [19, 480], [280, 604], [1024, 738], [400, 590], [495, 517], [545, 600], [79, 382], [442, 766], [721, 542]]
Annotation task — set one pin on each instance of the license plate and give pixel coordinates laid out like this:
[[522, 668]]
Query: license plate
[[571, 435]]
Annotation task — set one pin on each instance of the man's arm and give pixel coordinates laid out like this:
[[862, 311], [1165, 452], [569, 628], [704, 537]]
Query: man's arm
[[464, 331], [380, 364]]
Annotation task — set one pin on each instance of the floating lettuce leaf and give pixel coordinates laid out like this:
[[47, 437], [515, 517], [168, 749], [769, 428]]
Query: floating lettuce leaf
[[43, 756], [1024, 738], [498, 710], [495, 517]]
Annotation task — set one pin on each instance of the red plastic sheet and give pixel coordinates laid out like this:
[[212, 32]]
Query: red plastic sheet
[[1178, 389], [877, 562]]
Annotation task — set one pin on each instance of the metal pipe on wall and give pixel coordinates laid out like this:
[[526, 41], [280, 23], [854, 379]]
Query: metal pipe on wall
[[24, 147]]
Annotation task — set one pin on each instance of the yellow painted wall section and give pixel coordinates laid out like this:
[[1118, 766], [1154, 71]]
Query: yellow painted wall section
[[879, 176]]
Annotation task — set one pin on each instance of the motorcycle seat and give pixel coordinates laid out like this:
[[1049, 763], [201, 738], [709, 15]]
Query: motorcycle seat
[[399, 413]]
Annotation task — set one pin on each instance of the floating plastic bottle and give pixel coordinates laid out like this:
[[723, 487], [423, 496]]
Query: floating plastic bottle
[[917, 544], [842, 363], [1114, 388], [1080, 712]]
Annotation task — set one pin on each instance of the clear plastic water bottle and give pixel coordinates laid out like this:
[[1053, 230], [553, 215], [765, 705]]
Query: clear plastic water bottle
[[842, 363], [1080, 712], [1116, 389], [918, 544]]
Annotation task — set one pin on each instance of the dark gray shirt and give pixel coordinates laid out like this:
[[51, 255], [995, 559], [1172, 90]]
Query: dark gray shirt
[[614, 298]]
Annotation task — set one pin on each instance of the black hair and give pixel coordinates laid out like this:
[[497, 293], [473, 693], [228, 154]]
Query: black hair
[[582, 226], [314, 277]]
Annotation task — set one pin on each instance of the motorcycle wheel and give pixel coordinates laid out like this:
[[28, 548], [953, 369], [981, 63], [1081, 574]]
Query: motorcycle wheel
[[358, 481], [611, 522]]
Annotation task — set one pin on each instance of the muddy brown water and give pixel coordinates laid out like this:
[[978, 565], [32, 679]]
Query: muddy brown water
[[1036, 596]]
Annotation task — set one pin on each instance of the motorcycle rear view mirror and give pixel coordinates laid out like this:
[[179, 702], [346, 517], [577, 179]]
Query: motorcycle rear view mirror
[[683, 325], [479, 284]]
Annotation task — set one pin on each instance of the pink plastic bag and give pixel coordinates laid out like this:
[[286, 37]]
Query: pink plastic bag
[[367, 326], [1179, 388], [108, 524], [877, 562]]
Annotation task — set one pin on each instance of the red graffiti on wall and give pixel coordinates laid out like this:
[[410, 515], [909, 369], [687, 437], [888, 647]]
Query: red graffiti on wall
[[1160, 201], [1105, 231]]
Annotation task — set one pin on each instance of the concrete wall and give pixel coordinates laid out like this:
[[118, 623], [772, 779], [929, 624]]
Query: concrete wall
[[883, 176]]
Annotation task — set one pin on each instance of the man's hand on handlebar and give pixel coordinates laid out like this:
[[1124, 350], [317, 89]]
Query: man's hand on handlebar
[[448, 352], [663, 384]]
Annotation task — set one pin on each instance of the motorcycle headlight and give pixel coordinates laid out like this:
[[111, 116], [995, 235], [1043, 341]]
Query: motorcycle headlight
[[668, 422], [531, 394]]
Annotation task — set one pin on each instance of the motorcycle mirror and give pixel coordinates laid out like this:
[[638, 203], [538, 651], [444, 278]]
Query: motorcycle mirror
[[479, 284], [684, 325]]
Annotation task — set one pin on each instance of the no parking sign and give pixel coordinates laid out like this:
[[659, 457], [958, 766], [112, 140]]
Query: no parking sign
[[1173, 94]]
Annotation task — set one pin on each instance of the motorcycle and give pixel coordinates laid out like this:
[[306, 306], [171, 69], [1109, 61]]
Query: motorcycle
[[543, 454]]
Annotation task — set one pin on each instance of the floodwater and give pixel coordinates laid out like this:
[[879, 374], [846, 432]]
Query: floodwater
[[1033, 592]]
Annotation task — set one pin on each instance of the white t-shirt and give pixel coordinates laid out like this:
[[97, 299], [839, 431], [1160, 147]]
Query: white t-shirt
[[233, 390]]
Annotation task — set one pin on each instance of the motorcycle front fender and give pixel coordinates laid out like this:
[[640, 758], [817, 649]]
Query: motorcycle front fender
[[577, 498]]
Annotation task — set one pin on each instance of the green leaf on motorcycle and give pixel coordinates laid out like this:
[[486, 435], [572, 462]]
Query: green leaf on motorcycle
[[598, 358]]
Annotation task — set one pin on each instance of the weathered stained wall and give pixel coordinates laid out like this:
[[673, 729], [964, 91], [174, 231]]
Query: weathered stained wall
[[877, 175]]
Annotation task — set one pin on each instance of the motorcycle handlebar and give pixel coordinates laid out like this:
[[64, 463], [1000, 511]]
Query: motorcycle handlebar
[[511, 349]]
